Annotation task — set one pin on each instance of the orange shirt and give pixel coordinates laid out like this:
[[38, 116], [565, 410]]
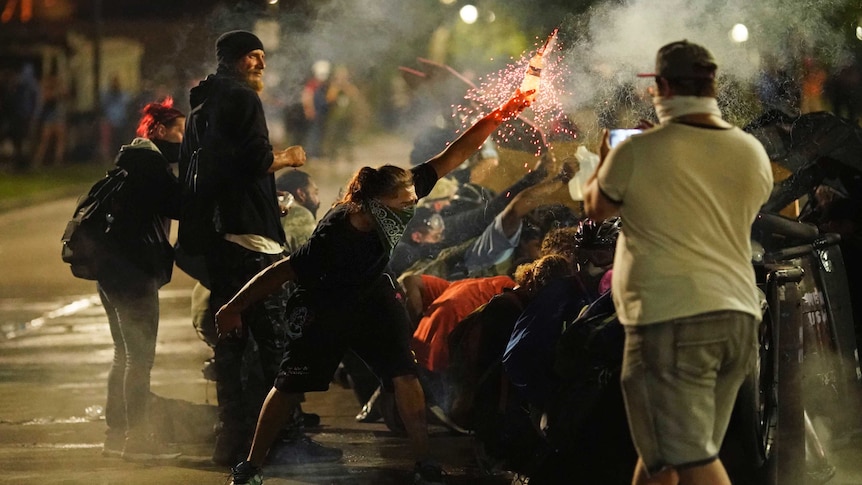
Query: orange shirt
[[459, 299]]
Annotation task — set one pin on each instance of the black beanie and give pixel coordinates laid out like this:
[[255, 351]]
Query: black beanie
[[232, 45]]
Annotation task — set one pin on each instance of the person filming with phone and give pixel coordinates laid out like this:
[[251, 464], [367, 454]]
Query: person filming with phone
[[687, 192]]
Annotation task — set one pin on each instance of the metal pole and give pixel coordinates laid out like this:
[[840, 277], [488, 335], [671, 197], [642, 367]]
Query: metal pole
[[790, 436]]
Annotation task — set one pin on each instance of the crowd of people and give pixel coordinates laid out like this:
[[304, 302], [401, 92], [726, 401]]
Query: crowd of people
[[36, 119], [526, 321], [329, 115]]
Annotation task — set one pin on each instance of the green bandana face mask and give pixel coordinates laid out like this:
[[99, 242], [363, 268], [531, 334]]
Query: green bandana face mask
[[390, 223]]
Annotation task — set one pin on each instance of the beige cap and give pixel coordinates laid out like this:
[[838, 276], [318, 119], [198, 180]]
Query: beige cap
[[683, 60]]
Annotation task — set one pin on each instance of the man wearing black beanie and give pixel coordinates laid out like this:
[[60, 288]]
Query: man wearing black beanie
[[232, 45], [227, 131]]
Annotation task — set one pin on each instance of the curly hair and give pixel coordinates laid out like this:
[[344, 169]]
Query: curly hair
[[371, 183], [536, 275], [562, 240], [157, 113]]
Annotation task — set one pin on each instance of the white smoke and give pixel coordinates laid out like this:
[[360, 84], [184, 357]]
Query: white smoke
[[603, 48], [616, 40]]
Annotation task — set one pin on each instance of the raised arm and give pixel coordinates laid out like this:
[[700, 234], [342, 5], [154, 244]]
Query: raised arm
[[524, 203], [469, 142], [268, 281], [597, 206]]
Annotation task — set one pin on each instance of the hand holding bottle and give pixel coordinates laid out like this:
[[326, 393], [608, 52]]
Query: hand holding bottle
[[515, 105]]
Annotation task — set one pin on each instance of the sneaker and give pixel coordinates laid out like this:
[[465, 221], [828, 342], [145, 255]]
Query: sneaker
[[245, 473], [300, 449], [114, 443], [428, 473], [147, 449]]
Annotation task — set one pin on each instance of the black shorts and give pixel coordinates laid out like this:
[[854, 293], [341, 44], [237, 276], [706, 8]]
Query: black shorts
[[376, 328]]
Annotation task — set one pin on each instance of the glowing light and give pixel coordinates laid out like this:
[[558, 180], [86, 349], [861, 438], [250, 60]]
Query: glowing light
[[859, 32], [469, 14], [739, 33], [543, 122], [447, 2], [273, 2]]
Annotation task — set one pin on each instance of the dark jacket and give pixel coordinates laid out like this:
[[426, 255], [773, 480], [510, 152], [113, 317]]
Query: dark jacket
[[150, 198], [238, 138], [467, 219]]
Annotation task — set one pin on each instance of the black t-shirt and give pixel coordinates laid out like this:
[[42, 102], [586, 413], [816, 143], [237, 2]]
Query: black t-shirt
[[339, 261]]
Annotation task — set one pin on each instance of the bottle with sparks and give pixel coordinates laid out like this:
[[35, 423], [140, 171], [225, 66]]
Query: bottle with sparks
[[534, 69]]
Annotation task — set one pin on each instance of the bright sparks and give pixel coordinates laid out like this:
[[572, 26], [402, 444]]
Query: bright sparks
[[540, 124]]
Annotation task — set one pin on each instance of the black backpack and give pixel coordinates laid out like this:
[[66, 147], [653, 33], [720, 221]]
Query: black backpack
[[201, 180], [88, 240]]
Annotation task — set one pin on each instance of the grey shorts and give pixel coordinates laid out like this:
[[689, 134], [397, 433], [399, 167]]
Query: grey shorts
[[680, 379]]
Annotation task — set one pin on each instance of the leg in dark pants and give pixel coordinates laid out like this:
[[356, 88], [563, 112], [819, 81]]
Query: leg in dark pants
[[132, 306], [230, 266]]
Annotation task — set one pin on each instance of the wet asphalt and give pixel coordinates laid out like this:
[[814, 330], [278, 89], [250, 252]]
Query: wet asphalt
[[52, 392]]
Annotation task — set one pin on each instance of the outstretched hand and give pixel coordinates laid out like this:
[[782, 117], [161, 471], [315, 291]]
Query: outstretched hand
[[516, 104], [228, 323]]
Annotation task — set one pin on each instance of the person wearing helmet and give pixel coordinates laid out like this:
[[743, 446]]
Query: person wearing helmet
[[596, 242]]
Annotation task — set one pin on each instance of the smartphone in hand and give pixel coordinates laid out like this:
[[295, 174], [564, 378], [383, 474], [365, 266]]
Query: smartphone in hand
[[620, 134]]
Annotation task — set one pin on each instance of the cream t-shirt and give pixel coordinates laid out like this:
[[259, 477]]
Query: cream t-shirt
[[689, 196]]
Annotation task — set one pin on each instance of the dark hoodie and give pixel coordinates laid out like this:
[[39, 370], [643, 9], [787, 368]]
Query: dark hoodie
[[239, 139], [151, 197]]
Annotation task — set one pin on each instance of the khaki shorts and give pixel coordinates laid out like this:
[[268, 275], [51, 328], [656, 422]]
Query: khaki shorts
[[680, 379]]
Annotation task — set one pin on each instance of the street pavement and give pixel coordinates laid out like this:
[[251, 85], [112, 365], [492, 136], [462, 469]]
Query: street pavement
[[53, 389], [56, 350]]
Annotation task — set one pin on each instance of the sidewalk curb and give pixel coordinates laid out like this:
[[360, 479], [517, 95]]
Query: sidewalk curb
[[13, 203]]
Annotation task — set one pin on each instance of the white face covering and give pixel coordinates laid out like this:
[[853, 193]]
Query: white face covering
[[669, 108]]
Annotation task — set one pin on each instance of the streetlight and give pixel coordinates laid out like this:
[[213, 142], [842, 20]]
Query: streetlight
[[469, 14], [739, 33]]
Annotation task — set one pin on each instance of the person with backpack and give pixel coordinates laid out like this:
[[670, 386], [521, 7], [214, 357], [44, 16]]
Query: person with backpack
[[231, 216], [345, 300], [140, 261]]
